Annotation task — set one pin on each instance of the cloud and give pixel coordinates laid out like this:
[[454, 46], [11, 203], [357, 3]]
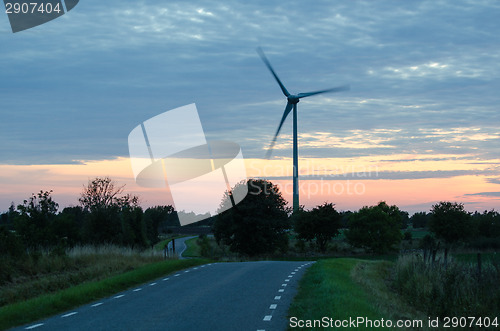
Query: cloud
[[484, 194], [493, 180], [373, 174], [73, 89]]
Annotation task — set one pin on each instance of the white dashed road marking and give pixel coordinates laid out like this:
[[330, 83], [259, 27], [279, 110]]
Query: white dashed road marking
[[273, 306], [282, 290], [277, 297], [69, 314], [33, 326], [268, 317]]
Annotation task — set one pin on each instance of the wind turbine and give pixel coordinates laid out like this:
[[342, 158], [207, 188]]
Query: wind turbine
[[292, 100]]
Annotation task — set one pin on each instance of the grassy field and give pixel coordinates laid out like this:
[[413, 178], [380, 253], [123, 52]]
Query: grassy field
[[347, 288], [44, 272]]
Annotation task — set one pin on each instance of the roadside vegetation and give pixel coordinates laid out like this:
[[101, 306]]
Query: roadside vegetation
[[46, 272], [344, 289], [53, 260], [387, 264], [451, 289]]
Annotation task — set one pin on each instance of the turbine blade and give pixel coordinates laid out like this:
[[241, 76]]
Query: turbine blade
[[335, 89], [264, 58], [288, 108]]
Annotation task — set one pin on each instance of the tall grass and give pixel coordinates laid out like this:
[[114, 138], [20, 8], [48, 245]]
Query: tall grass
[[457, 290], [45, 272]]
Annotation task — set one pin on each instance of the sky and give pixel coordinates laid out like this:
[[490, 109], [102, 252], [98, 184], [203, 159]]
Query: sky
[[419, 125]]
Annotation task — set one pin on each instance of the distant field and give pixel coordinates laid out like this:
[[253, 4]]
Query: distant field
[[419, 233]]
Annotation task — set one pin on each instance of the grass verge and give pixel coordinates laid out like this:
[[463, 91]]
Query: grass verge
[[50, 304], [347, 288], [192, 248]]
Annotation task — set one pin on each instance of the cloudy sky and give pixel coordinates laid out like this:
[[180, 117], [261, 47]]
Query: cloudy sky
[[419, 125]]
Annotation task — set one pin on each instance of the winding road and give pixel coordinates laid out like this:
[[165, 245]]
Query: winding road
[[180, 246], [217, 296]]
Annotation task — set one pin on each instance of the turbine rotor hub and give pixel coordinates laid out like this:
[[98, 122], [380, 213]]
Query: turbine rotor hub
[[293, 99]]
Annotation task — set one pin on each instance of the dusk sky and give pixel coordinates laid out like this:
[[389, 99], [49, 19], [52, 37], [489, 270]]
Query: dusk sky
[[420, 124]]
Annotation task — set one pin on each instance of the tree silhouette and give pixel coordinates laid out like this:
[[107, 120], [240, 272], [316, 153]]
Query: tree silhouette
[[36, 215], [321, 224], [258, 224], [450, 223], [375, 228]]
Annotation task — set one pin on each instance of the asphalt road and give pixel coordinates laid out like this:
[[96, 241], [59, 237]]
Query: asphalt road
[[218, 296], [180, 246]]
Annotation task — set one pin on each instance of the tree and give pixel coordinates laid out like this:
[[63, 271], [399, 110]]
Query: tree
[[450, 223], [101, 193], [488, 224], [35, 218], [321, 224], [133, 227], [7, 219], [104, 202], [68, 224], [405, 219], [10, 245], [375, 228], [156, 217], [258, 224], [420, 219]]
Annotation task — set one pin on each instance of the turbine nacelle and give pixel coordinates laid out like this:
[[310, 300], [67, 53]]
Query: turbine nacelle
[[293, 99]]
